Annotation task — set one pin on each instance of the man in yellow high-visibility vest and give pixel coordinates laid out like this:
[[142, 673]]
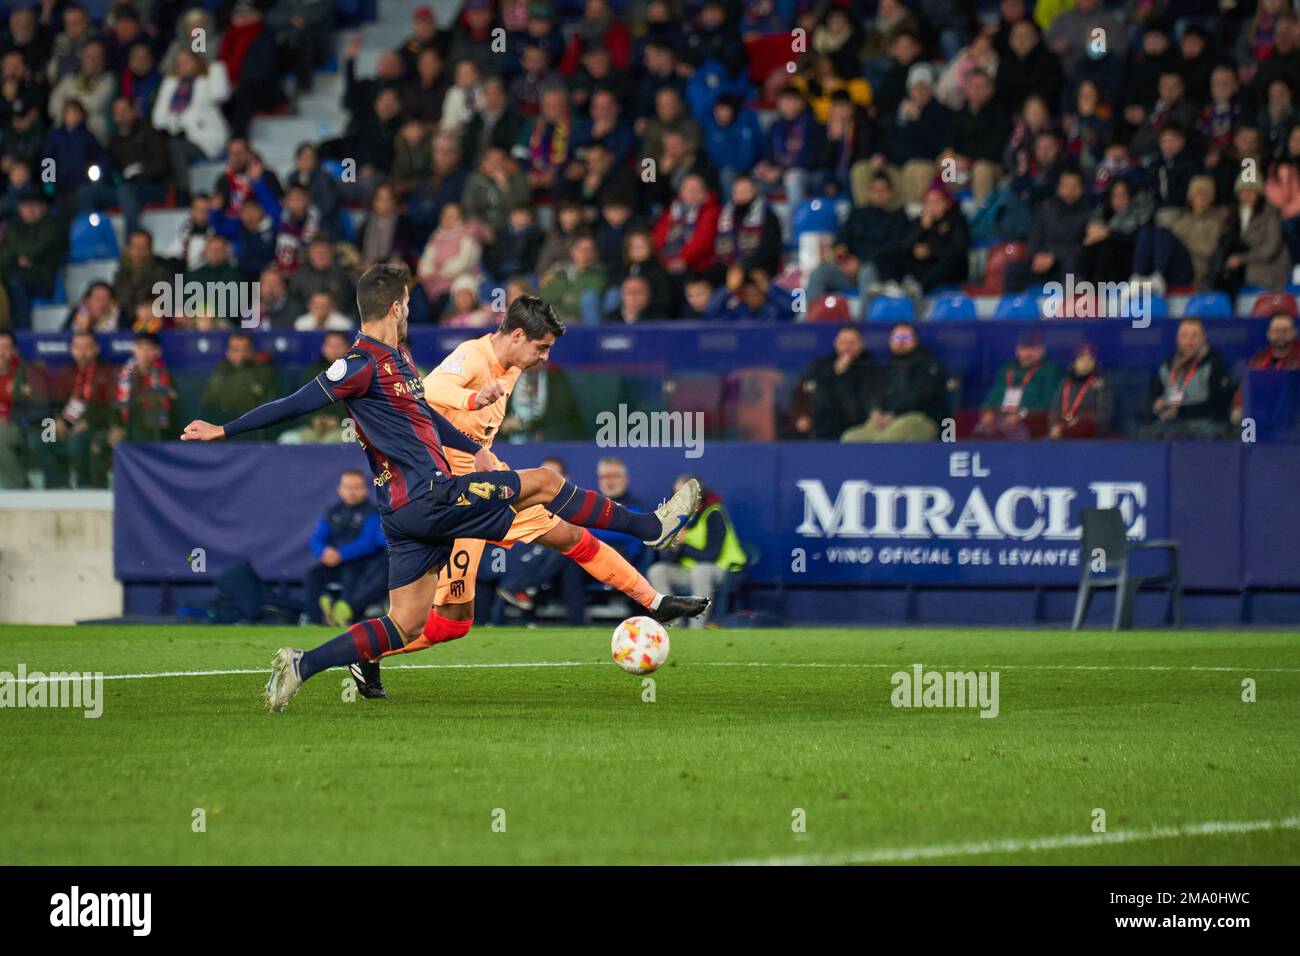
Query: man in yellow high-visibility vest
[[705, 551]]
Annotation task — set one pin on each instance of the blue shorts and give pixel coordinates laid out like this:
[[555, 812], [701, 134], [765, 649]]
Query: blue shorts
[[421, 533]]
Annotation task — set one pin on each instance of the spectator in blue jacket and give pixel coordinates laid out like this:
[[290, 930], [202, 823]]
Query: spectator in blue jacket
[[350, 551], [733, 139], [80, 160], [795, 149], [252, 234]]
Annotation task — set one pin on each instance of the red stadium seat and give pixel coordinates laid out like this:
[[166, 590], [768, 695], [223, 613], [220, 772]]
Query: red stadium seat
[[1271, 303], [995, 267], [766, 55], [830, 308], [751, 402]]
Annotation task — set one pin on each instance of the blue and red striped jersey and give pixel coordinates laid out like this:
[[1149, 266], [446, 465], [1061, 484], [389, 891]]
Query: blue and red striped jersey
[[395, 425]]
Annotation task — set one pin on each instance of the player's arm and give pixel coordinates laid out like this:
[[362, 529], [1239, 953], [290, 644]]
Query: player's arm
[[452, 384], [307, 399], [346, 378]]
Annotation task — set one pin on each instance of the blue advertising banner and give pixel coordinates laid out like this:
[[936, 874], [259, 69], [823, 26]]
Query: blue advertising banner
[[987, 513], [814, 513]]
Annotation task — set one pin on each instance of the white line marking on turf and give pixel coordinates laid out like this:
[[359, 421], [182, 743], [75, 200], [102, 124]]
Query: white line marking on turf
[[1007, 667], [805, 664], [988, 847]]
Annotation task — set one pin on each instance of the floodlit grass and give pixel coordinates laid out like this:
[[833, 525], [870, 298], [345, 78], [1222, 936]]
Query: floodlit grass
[[747, 727]]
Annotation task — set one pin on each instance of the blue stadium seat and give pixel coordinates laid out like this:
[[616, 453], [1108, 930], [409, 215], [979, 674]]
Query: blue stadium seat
[[1023, 305], [813, 215], [58, 297], [1209, 305], [891, 309], [91, 237], [954, 305]]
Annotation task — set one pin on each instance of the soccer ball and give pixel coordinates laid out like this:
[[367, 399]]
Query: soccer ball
[[639, 645]]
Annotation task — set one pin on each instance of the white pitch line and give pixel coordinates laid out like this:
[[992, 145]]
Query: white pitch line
[[1007, 667], [990, 847], [264, 670], [791, 664]]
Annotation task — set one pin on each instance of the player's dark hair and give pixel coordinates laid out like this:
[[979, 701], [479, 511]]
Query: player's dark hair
[[378, 289], [535, 316]]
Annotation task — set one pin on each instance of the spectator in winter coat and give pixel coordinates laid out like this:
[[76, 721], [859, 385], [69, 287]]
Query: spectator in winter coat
[[1191, 392], [749, 234], [686, 233], [188, 109], [794, 151], [909, 398], [871, 233], [1081, 407], [1017, 405], [834, 392], [934, 252], [349, 550], [1258, 255], [1056, 236]]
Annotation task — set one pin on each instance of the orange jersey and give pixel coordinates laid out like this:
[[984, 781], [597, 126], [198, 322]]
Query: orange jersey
[[451, 387]]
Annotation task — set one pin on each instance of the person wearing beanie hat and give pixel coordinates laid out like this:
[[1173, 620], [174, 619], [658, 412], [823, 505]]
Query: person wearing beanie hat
[[1256, 252], [916, 133], [1178, 251], [1082, 405], [1017, 404]]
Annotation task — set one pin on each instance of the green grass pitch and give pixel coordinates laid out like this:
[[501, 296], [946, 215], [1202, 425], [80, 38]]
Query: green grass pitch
[[746, 729]]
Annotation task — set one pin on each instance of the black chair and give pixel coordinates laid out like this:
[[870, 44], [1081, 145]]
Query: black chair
[[1104, 531]]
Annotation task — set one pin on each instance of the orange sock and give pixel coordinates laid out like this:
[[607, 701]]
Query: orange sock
[[437, 630], [609, 567]]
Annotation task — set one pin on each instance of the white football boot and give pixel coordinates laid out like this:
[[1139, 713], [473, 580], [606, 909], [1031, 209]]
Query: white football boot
[[285, 680], [674, 513]]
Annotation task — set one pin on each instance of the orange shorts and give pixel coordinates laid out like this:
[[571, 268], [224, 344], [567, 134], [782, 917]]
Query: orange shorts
[[456, 586]]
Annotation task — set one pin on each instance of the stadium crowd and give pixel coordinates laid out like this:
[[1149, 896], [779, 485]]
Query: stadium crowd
[[650, 160]]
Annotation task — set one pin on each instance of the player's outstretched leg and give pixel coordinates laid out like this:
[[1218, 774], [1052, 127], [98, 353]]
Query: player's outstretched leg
[[363, 641], [438, 629], [591, 509], [607, 566]]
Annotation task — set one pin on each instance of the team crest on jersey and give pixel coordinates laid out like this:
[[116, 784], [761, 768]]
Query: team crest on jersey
[[457, 588], [452, 364], [337, 370], [505, 492]]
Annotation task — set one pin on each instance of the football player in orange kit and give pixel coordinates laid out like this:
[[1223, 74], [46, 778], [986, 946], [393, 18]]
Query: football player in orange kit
[[471, 388]]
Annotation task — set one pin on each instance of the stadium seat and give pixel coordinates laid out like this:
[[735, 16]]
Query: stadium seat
[[750, 400], [954, 305], [1208, 305], [92, 237], [79, 276], [1271, 303], [696, 393], [1023, 305], [830, 308], [766, 55], [995, 267], [885, 308], [59, 295], [813, 215]]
